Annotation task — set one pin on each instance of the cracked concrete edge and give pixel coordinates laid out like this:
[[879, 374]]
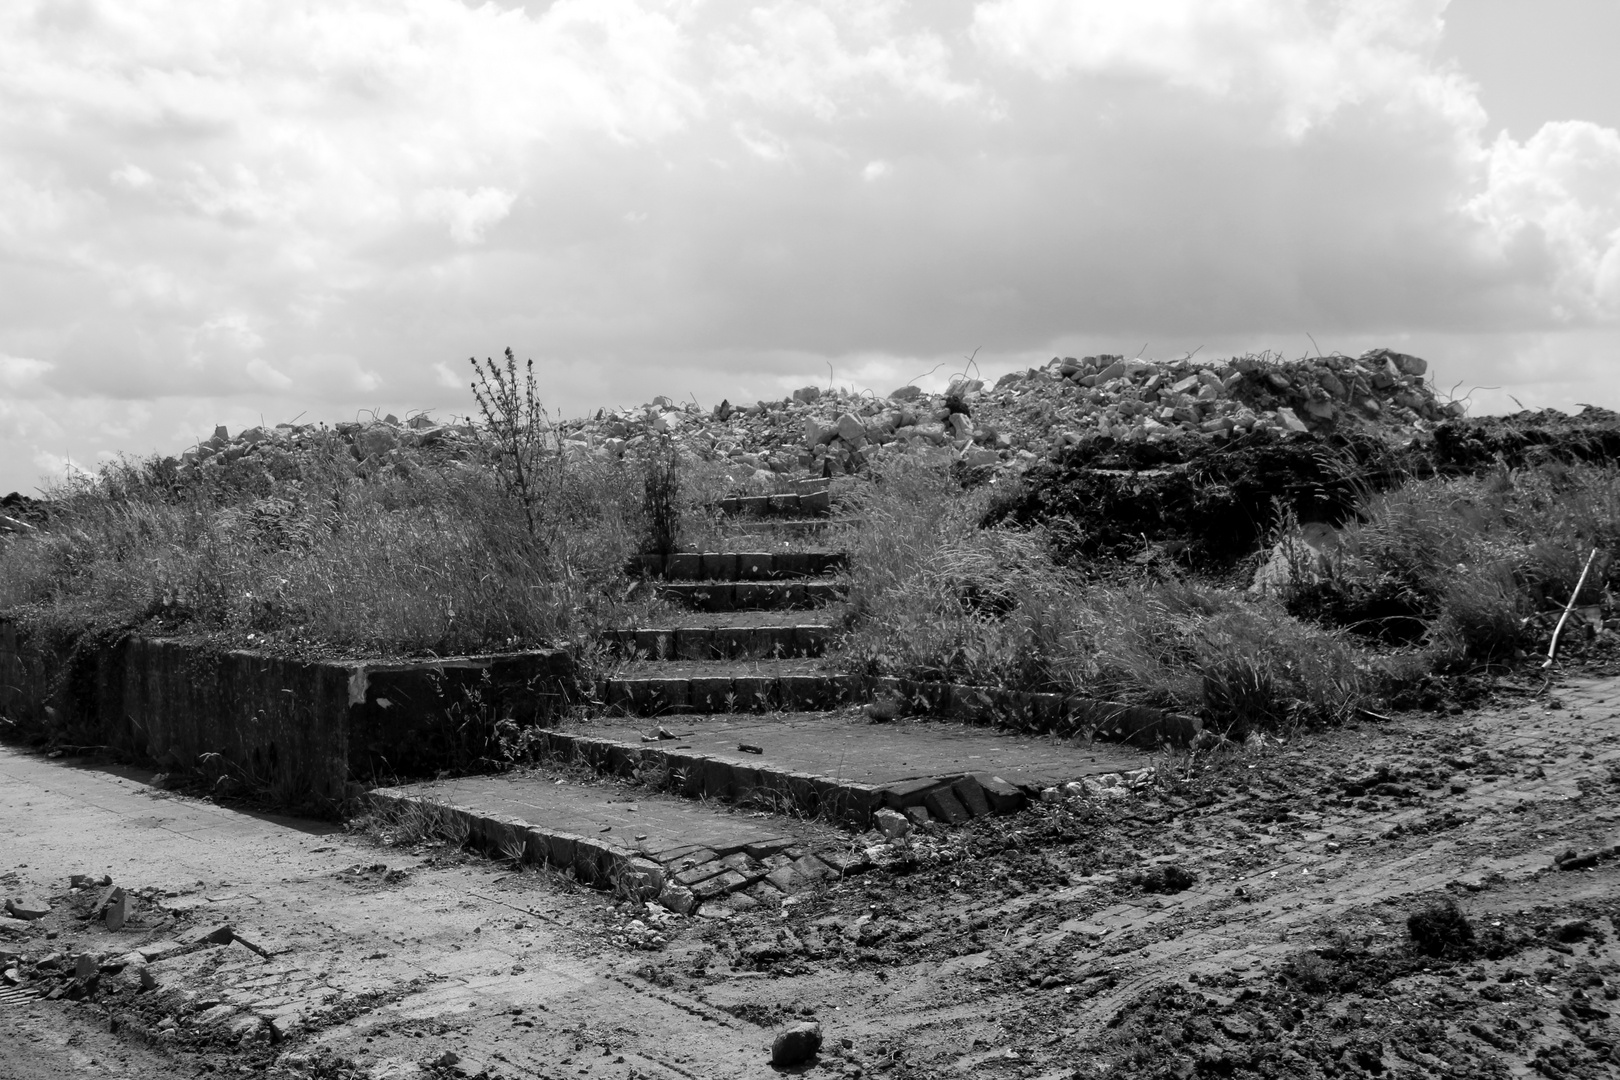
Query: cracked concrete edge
[[706, 775], [699, 775], [595, 861]]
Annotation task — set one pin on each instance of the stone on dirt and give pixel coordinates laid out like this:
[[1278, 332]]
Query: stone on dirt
[[797, 1044], [118, 909], [27, 907], [891, 823]]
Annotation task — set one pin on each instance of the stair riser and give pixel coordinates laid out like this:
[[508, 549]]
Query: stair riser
[[723, 596], [786, 505], [723, 643], [727, 694], [739, 566]]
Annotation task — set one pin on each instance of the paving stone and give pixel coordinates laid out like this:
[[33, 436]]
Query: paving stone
[[719, 885], [700, 873], [971, 795], [1002, 796], [944, 806]]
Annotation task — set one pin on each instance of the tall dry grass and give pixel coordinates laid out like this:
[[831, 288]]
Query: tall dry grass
[[1460, 567], [431, 558], [936, 597]]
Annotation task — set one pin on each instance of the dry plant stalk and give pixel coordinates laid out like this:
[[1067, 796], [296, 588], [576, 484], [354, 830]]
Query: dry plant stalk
[[1552, 649]]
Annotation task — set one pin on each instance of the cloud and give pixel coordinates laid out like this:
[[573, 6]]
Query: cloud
[[1558, 195], [209, 213], [1304, 57], [468, 213]]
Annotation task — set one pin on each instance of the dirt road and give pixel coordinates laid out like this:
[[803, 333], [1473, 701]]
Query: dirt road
[[1244, 914]]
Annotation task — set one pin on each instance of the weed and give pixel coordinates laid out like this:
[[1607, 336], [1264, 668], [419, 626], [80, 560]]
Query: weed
[[661, 506], [517, 431], [1441, 930]]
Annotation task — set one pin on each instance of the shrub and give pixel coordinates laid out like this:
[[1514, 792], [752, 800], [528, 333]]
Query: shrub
[[1460, 565], [1441, 930]]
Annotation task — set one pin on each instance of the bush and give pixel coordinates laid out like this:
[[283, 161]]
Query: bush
[[1441, 930], [1460, 565]]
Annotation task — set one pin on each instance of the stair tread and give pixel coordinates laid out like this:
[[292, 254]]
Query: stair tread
[[826, 615], [720, 669]]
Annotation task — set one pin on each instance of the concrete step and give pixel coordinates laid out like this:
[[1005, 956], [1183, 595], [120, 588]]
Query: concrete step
[[753, 595], [737, 530], [663, 689], [838, 766], [640, 843], [762, 642], [812, 503], [740, 565]]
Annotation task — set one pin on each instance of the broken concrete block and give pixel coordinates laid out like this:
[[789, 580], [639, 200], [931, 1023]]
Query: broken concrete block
[[1003, 797], [1290, 420], [677, 898], [971, 796], [27, 907], [891, 823], [944, 806], [719, 885], [118, 909]]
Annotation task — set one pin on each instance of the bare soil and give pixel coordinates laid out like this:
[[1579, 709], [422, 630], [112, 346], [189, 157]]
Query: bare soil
[[1245, 914]]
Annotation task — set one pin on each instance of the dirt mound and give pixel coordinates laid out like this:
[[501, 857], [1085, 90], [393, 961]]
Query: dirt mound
[[1205, 503], [1527, 439]]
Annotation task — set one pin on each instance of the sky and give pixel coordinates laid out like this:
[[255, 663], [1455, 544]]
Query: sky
[[266, 210]]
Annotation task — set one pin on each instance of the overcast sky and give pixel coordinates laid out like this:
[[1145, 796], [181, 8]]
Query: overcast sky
[[217, 212]]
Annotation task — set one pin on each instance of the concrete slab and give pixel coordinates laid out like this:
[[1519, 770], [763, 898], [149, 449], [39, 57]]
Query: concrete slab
[[846, 746], [652, 827]]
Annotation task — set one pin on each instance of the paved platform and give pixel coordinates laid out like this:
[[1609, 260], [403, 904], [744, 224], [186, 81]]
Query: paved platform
[[643, 844], [847, 746]]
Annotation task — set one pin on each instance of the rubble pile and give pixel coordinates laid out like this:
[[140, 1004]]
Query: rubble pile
[[1025, 417], [366, 448]]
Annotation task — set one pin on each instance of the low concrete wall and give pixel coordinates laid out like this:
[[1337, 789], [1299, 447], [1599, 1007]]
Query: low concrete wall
[[300, 728]]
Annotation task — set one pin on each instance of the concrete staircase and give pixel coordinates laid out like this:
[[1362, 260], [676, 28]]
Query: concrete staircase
[[739, 701], [760, 618]]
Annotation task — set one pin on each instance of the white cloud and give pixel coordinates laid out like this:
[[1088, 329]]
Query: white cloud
[[1307, 58], [19, 374], [468, 213], [1559, 194], [209, 212]]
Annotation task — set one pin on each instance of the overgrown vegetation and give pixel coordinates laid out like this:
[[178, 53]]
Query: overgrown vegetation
[[1463, 566], [318, 540], [936, 596]]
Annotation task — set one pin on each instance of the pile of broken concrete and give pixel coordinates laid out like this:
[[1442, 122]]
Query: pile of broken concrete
[[364, 448], [1028, 415]]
